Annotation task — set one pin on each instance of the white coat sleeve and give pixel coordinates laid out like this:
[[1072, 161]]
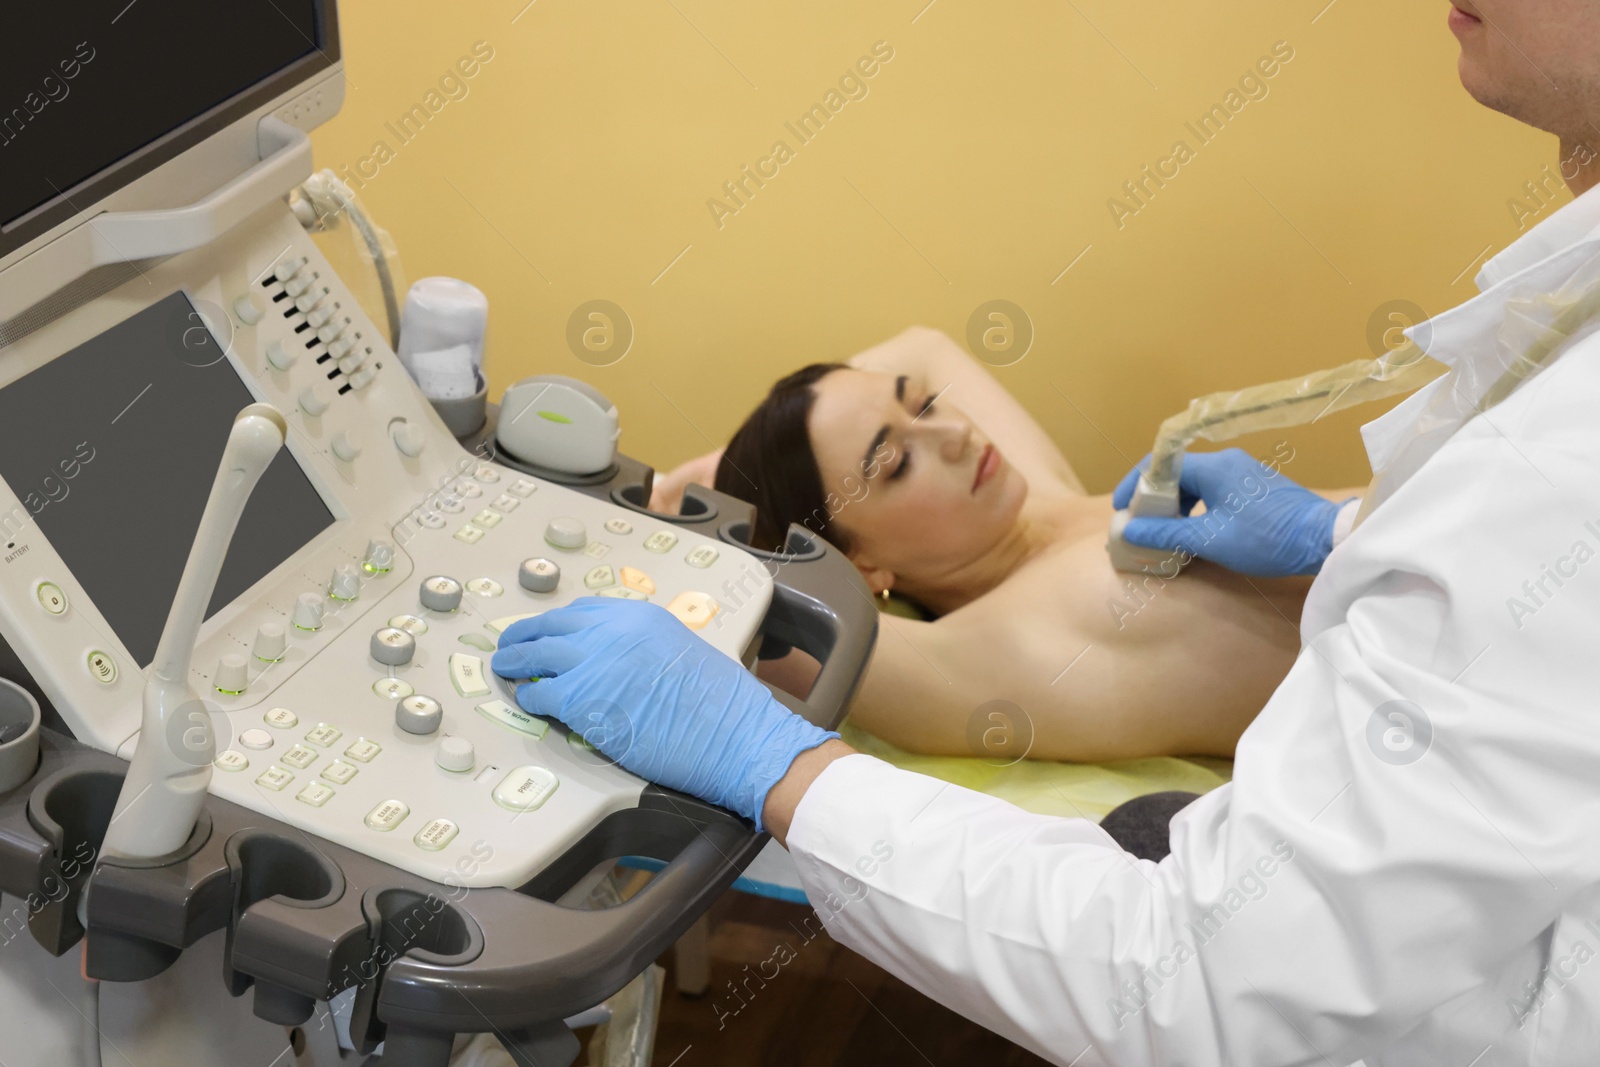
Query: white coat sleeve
[[1359, 872]]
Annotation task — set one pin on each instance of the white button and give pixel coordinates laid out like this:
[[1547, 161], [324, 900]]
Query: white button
[[661, 541], [286, 269], [274, 778], [410, 624], [329, 333], [486, 474], [703, 556], [363, 377], [409, 439], [315, 793], [488, 519], [255, 738], [451, 505], [470, 534], [484, 587], [388, 815], [525, 788], [280, 357], [363, 750], [524, 488], [600, 577], [102, 668], [619, 526], [596, 549], [320, 316], [466, 674], [314, 399], [308, 300], [299, 285], [231, 761], [566, 532], [429, 518], [299, 757], [346, 445], [436, 834], [341, 348], [622, 592], [505, 502], [282, 718], [248, 310], [393, 688], [694, 610], [466, 489], [324, 735], [352, 363], [454, 754], [513, 718], [339, 772], [51, 598]]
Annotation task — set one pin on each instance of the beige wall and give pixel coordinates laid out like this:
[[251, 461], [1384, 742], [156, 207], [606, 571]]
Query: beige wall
[[979, 164]]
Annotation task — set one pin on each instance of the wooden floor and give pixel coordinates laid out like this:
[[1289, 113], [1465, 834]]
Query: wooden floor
[[826, 1006]]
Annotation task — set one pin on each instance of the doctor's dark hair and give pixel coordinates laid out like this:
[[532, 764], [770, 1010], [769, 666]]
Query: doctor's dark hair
[[770, 463]]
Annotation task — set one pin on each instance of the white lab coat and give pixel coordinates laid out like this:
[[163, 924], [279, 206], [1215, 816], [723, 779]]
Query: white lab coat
[[1332, 902]]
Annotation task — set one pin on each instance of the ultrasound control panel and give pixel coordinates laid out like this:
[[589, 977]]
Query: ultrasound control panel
[[345, 659]]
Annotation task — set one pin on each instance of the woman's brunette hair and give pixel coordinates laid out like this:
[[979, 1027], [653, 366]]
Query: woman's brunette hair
[[770, 464]]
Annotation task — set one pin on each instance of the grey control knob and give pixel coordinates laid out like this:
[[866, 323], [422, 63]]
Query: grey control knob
[[455, 754], [232, 674], [270, 643], [441, 593], [418, 714], [393, 647], [564, 532], [538, 575], [346, 583], [308, 612]]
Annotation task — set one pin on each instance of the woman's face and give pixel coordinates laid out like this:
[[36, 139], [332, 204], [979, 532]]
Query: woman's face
[[914, 484]]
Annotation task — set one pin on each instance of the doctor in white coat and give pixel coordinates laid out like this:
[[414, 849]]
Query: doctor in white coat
[[1405, 867]]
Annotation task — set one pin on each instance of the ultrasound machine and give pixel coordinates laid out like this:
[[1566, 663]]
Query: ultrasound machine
[[228, 516]]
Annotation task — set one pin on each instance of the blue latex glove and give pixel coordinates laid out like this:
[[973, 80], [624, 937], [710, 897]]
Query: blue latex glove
[[1256, 521], [641, 687]]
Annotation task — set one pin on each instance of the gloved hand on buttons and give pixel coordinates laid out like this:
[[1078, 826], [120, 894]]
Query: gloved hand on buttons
[[1257, 521], [637, 684]]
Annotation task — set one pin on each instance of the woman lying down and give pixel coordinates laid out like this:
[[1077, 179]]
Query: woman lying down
[[913, 461]]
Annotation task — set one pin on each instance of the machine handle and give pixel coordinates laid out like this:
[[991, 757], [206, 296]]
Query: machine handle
[[285, 163]]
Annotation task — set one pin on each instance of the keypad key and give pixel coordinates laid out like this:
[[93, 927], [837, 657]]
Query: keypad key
[[436, 834], [299, 757], [274, 778], [387, 815]]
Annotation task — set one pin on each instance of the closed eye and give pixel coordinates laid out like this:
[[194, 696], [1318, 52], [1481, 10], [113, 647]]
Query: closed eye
[[904, 465]]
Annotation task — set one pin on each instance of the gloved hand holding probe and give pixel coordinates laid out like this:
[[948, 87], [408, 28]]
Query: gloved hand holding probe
[[1257, 521]]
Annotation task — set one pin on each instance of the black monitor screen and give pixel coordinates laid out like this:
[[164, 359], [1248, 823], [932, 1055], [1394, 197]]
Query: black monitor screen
[[83, 83], [112, 448]]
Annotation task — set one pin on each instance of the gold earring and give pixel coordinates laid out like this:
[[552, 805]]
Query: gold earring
[[884, 593]]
